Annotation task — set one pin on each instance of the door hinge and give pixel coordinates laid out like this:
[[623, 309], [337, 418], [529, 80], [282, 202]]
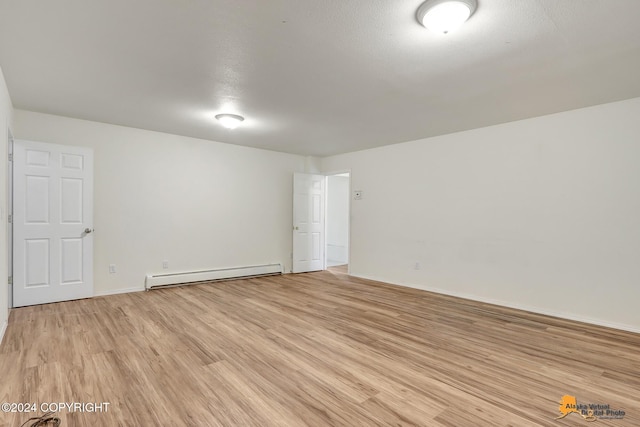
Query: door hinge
[[10, 280], [10, 219], [11, 157]]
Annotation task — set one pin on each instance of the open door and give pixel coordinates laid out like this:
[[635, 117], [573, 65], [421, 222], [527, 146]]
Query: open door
[[52, 223], [308, 222]]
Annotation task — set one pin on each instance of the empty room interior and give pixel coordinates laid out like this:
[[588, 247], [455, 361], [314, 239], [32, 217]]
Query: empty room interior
[[320, 213]]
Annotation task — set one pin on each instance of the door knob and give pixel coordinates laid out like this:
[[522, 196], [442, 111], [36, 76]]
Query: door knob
[[88, 230]]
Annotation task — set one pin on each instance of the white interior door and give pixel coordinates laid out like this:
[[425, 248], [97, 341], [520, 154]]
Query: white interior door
[[52, 223], [308, 222]]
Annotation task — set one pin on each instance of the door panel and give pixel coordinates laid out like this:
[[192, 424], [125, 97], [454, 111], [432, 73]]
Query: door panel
[[37, 203], [308, 222], [37, 262], [71, 212], [71, 253], [53, 206]]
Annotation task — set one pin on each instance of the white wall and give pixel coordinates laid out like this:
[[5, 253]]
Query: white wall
[[196, 203], [6, 111], [541, 214], [337, 220]]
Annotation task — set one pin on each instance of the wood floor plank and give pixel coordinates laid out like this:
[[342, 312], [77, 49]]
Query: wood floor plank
[[319, 349]]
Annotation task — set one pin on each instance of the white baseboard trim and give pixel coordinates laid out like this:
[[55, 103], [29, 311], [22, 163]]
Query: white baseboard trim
[[524, 307], [118, 291], [3, 329]]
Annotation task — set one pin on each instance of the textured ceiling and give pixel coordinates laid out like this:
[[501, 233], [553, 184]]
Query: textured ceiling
[[315, 77]]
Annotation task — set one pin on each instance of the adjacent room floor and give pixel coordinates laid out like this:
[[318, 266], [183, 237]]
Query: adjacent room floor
[[317, 349]]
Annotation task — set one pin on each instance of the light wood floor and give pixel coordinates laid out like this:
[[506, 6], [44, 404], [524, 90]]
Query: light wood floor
[[320, 349]]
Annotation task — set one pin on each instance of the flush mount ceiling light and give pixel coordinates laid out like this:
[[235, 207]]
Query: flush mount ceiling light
[[230, 121], [442, 16]]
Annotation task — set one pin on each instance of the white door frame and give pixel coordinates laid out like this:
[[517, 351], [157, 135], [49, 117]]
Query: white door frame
[[338, 172], [10, 217]]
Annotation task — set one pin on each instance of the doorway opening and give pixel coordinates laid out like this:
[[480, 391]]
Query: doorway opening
[[337, 221]]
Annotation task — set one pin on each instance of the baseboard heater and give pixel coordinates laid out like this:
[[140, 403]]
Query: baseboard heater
[[189, 277]]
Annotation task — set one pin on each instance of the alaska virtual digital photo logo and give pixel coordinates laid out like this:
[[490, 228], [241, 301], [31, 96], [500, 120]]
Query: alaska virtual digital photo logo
[[588, 411]]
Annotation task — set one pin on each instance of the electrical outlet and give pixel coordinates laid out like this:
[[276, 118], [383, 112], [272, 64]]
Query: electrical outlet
[[112, 268], [417, 266], [165, 264]]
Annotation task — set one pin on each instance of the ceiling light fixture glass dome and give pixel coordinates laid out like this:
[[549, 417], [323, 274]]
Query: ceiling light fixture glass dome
[[443, 16], [230, 121]]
